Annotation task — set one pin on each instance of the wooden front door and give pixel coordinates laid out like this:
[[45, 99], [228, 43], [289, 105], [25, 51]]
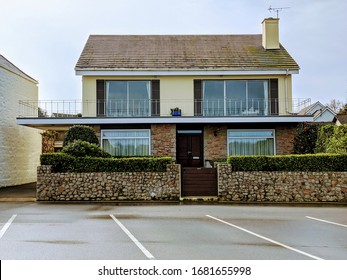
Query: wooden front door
[[189, 148]]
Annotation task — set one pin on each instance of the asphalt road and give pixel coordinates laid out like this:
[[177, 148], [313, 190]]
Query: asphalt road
[[171, 232]]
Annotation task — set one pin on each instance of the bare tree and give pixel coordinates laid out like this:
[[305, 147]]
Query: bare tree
[[335, 105], [343, 109]]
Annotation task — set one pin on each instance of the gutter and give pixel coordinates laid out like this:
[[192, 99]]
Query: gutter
[[286, 91], [179, 72]]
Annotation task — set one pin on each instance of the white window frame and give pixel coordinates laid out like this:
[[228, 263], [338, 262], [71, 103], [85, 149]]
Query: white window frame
[[128, 130], [255, 137]]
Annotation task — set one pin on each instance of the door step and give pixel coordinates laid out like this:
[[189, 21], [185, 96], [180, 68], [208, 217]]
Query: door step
[[199, 198]]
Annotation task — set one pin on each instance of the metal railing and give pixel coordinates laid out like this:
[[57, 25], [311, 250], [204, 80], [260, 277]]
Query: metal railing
[[50, 108], [156, 108]]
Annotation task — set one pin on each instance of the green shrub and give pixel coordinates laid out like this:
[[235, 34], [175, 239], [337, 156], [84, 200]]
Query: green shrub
[[308, 162], [65, 163], [220, 159], [81, 148], [305, 138], [324, 134], [80, 132], [337, 143]]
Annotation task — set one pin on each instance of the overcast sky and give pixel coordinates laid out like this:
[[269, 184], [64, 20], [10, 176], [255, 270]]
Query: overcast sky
[[44, 38]]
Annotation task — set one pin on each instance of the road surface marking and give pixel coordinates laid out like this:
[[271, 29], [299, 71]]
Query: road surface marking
[[265, 238], [132, 237], [325, 221], [6, 226]]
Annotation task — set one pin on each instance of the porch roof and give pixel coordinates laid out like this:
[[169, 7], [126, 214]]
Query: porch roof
[[43, 123]]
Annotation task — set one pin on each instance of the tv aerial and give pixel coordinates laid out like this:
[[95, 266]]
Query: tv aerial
[[277, 10]]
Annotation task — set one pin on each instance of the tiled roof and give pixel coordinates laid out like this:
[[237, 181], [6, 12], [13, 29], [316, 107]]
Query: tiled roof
[[4, 63], [188, 52], [305, 110], [342, 118]]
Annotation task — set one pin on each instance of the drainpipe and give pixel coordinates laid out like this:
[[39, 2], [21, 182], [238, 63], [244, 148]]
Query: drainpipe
[[286, 90]]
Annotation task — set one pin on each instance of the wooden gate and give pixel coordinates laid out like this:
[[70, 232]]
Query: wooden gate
[[199, 181]]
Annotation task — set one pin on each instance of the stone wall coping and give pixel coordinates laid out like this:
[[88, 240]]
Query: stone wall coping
[[48, 168]]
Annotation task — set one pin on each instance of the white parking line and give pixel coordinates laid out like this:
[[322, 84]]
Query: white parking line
[[325, 221], [7, 225], [265, 238], [132, 237]]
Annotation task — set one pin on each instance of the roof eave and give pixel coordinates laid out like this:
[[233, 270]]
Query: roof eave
[[181, 72], [37, 122]]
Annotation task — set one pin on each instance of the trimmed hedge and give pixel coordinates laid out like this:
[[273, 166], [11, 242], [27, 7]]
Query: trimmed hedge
[[308, 162], [65, 163]]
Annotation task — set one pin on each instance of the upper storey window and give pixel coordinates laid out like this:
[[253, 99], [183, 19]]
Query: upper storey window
[[235, 97], [127, 98]]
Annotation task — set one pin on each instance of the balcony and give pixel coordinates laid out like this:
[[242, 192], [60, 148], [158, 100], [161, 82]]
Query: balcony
[[159, 108]]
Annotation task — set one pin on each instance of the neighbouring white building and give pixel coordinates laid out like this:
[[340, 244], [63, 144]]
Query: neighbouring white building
[[20, 146], [319, 112]]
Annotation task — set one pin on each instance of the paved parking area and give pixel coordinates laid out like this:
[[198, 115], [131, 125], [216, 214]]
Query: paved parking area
[[171, 232]]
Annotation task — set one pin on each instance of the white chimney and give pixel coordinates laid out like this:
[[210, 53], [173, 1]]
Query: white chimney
[[271, 34]]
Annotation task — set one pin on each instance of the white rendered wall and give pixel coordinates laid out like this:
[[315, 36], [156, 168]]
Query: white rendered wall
[[20, 146]]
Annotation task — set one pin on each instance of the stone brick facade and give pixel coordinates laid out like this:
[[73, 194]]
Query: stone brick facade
[[281, 186], [163, 140], [108, 186], [284, 139], [215, 142]]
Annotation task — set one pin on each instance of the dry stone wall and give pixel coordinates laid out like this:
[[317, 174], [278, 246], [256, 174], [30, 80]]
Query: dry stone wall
[[262, 186], [108, 186], [234, 186]]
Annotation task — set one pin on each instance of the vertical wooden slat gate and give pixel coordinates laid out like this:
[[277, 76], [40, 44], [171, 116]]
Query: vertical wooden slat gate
[[199, 182]]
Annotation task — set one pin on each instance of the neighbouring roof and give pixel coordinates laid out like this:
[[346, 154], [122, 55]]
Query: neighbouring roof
[[318, 110], [307, 109], [342, 118], [182, 52], [6, 64]]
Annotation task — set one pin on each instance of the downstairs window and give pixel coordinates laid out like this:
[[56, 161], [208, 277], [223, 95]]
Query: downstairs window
[[126, 142], [251, 142]]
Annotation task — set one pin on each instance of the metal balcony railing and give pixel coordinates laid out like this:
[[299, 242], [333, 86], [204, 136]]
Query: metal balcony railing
[[158, 108]]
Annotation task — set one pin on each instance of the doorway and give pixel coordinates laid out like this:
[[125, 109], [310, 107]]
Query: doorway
[[196, 181], [189, 148]]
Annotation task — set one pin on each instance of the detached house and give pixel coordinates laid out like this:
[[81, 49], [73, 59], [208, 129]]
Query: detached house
[[192, 97]]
